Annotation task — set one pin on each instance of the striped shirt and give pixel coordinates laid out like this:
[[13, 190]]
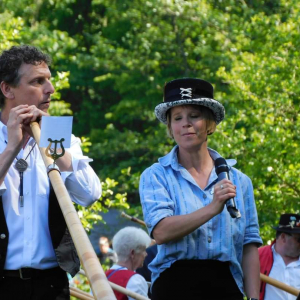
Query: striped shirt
[[168, 189]]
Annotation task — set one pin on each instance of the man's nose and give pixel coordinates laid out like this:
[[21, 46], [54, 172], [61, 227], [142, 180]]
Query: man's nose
[[49, 89]]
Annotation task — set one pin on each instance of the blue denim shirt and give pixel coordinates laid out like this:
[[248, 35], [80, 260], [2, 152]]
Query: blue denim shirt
[[168, 189]]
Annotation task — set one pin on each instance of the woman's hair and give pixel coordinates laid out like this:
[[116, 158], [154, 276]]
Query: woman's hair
[[207, 115], [130, 238]]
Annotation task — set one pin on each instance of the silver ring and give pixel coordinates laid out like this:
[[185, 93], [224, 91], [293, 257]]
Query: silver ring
[[222, 186]]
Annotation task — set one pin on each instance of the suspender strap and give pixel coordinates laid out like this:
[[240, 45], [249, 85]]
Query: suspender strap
[[114, 271]]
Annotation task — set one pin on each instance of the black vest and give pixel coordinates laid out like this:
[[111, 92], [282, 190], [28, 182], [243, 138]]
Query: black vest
[[62, 242]]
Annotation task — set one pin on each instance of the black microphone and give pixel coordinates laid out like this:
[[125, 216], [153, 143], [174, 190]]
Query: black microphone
[[222, 171]]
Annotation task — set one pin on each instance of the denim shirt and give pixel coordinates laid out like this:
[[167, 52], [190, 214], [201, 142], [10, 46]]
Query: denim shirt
[[168, 189]]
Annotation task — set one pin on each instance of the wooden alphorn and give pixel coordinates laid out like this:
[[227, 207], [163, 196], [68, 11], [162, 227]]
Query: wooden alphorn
[[122, 290], [133, 219], [279, 284], [97, 279], [79, 294]]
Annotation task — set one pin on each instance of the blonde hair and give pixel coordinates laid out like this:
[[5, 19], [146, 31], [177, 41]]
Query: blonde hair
[[206, 113]]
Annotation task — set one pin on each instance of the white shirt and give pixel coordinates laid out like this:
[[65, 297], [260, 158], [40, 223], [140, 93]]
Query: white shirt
[[30, 244], [288, 274], [136, 283]]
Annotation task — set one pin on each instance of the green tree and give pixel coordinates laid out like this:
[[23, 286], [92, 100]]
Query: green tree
[[119, 54]]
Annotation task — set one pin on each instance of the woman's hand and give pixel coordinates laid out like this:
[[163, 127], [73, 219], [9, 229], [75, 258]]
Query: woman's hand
[[223, 191]]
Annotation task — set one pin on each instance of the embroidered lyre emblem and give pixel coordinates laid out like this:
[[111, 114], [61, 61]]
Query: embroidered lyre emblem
[[186, 93]]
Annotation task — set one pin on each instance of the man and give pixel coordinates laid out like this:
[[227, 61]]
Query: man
[[107, 255], [36, 249], [280, 260]]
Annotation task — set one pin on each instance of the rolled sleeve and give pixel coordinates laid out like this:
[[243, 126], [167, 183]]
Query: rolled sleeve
[[155, 199], [252, 227]]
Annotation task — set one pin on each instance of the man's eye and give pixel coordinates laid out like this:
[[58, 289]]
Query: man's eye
[[39, 80]]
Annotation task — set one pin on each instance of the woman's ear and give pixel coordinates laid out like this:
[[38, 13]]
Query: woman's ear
[[7, 90], [132, 253]]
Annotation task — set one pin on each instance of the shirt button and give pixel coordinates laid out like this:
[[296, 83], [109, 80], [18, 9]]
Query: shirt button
[[2, 236], [204, 196], [209, 239]]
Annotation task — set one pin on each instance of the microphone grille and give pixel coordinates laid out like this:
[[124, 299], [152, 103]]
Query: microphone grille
[[221, 165]]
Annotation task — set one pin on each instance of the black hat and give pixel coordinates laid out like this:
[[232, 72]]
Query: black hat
[[289, 223], [189, 91]]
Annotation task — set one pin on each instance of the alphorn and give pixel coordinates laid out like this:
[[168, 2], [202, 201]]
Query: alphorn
[[97, 279], [280, 285], [133, 219], [79, 294], [122, 290], [136, 220]]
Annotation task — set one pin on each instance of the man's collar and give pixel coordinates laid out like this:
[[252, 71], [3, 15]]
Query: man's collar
[[3, 130]]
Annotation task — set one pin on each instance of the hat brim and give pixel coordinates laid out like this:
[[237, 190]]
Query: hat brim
[[287, 229], [214, 105]]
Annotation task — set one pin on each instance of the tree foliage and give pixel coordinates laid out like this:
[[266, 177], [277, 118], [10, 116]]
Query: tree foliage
[[112, 59]]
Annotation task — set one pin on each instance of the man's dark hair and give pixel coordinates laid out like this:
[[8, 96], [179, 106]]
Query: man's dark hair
[[11, 61]]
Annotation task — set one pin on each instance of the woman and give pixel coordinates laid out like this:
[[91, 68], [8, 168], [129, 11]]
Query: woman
[[130, 244], [203, 252]]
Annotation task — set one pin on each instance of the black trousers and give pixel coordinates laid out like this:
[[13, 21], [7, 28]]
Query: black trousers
[[52, 287], [196, 280]]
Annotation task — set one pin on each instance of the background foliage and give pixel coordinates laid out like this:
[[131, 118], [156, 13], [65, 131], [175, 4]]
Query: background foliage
[[111, 60]]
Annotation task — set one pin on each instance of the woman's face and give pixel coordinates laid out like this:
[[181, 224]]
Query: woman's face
[[188, 126], [138, 259]]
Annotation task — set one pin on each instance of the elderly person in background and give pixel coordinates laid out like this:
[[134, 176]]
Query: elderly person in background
[[107, 255], [203, 251], [130, 244]]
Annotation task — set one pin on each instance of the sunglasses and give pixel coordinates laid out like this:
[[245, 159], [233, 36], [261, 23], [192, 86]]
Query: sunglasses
[[294, 236]]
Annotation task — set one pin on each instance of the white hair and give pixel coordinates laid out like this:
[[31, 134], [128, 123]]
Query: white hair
[[128, 239]]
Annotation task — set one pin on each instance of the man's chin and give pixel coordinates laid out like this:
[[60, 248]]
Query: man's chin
[[44, 106]]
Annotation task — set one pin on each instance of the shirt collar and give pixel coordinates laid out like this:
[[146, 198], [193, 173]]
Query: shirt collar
[[276, 254], [172, 159], [3, 131]]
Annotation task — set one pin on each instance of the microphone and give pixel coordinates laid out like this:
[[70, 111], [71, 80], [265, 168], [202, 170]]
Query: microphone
[[222, 171]]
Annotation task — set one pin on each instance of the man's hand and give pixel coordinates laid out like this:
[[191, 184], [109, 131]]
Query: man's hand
[[18, 125]]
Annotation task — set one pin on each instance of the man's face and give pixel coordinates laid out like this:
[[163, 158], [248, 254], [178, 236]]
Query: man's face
[[293, 245], [34, 87]]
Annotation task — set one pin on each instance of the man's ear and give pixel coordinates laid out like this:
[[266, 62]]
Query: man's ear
[[7, 90], [283, 236]]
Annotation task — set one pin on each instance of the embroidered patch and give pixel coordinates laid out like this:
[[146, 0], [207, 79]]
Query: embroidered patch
[[186, 92]]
